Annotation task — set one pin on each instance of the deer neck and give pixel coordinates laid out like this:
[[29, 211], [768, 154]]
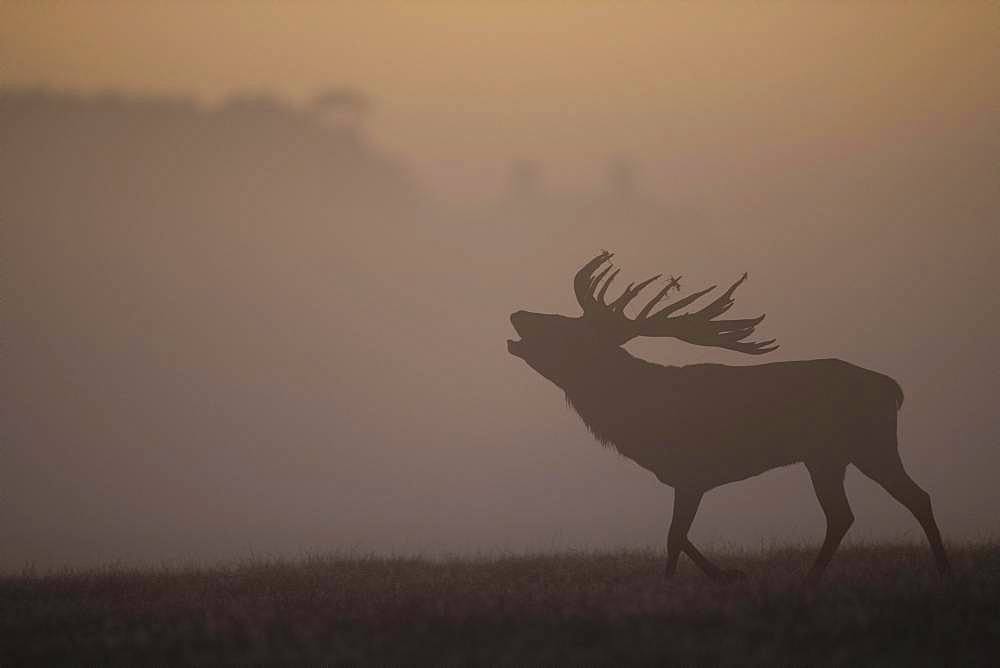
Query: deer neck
[[615, 394]]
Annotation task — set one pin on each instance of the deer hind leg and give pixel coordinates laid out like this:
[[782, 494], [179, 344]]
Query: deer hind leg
[[828, 481], [888, 471], [686, 504]]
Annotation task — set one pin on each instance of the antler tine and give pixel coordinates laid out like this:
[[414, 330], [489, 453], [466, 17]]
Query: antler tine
[[734, 331], [631, 292], [739, 325], [723, 303], [717, 307], [679, 304], [597, 279], [591, 288], [604, 288], [699, 327], [582, 283], [618, 304], [758, 348], [672, 283]]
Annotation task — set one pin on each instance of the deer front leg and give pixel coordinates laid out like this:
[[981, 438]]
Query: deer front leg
[[686, 504], [710, 569]]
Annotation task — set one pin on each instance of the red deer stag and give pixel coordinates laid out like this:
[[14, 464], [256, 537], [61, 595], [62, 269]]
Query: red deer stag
[[701, 426]]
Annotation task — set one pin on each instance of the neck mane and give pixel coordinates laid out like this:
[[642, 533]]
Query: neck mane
[[611, 392]]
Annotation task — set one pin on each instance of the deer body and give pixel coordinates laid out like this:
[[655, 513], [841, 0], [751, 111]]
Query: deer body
[[713, 424], [701, 426]]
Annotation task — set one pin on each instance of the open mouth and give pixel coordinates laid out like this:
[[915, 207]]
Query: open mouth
[[513, 345]]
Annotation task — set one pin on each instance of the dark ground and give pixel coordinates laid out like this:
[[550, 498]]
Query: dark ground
[[878, 606]]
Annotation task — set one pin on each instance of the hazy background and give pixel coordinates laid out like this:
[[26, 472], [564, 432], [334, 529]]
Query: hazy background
[[257, 260]]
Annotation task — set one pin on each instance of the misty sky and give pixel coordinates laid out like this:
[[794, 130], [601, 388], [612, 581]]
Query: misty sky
[[572, 83], [241, 325]]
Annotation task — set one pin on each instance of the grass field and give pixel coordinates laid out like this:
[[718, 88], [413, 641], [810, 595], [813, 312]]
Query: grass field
[[878, 606]]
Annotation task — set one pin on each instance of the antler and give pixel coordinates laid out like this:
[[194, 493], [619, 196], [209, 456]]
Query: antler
[[699, 327]]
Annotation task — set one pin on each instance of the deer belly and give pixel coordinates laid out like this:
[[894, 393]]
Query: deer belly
[[706, 462]]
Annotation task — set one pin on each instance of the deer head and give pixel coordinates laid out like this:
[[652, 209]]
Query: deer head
[[550, 340]]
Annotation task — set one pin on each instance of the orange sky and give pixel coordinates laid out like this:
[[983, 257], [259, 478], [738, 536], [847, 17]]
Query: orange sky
[[461, 88]]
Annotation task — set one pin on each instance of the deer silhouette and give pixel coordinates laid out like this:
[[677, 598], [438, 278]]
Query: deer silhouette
[[700, 426]]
